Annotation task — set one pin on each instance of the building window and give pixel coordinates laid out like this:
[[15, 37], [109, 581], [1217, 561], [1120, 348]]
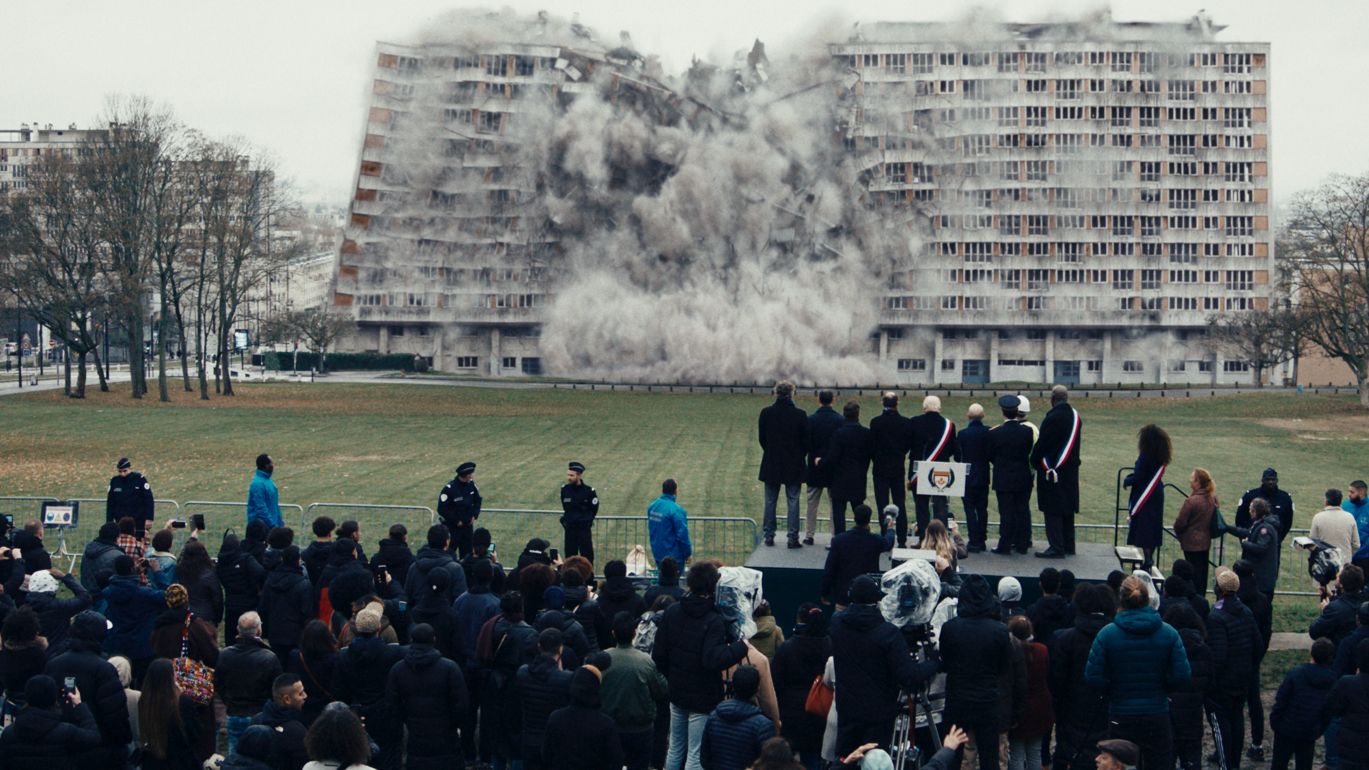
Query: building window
[[912, 364], [1231, 367], [1205, 366], [467, 362], [1240, 280], [509, 362], [1132, 367]]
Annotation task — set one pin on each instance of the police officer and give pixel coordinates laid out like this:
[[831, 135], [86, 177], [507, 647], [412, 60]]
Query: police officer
[[130, 495], [1055, 458], [459, 507], [1280, 504], [580, 503], [1010, 446]]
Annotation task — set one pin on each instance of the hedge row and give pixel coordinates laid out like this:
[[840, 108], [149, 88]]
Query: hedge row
[[284, 361]]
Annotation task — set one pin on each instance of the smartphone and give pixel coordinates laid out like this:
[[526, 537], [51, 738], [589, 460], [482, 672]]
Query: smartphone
[[489, 553], [178, 524], [198, 521], [69, 685], [553, 554]]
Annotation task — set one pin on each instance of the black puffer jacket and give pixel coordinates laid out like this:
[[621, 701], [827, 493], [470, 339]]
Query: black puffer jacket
[[31, 549], [286, 607], [315, 560], [362, 671], [241, 577], [1081, 710], [693, 647], [577, 646], [542, 688], [39, 737], [619, 595], [426, 560], [436, 610], [975, 653], [872, 664], [99, 685], [1350, 701], [427, 693], [396, 557], [1048, 615], [244, 675], [1186, 701], [98, 555], [19, 661], [1298, 705], [797, 663], [1262, 611], [1337, 620], [1234, 641], [288, 747]]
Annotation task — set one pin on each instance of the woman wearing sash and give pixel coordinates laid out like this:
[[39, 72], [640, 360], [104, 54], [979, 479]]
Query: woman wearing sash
[[1146, 503]]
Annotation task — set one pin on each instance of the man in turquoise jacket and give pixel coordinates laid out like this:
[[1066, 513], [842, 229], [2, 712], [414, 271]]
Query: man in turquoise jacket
[[1357, 504], [263, 502], [668, 527]]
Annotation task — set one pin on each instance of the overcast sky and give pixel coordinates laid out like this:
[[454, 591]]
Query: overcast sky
[[292, 76]]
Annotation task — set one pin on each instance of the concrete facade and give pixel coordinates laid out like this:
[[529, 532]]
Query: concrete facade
[[1080, 199]]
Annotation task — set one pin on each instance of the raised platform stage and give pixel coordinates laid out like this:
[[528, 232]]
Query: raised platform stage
[[794, 576]]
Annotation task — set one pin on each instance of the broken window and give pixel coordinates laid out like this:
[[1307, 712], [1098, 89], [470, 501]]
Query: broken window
[[1121, 61], [1036, 61], [1181, 91], [1240, 280], [1236, 117], [1150, 279], [922, 63], [523, 66], [1007, 61], [1236, 64], [498, 66], [1240, 226]]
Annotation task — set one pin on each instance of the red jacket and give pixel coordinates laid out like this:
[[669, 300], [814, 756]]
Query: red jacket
[[1040, 715]]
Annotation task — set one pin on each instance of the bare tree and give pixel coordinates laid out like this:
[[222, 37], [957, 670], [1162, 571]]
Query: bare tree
[[1326, 245], [123, 171], [1260, 339], [55, 259], [320, 327]]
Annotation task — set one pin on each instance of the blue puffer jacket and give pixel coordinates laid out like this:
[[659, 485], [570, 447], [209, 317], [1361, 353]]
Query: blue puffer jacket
[[733, 736], [132, 610], [668, 529], [1137, 659], [1297, 712], [263, 502]]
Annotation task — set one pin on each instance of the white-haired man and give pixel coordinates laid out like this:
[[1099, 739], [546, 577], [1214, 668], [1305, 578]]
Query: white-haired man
[[974, 452], [931, 439]]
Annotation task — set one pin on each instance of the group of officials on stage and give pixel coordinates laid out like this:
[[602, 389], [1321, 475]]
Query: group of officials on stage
[[834, 452]]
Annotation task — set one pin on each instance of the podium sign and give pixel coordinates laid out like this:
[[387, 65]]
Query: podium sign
[[941, 479]]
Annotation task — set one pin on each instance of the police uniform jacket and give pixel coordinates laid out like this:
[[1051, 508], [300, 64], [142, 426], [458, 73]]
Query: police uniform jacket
[[130, 496], [459, 502], [783, 432], [848, 461], [1055, 432], [974, 451], [925, 431], [889, 439], [580, 503], [1280, 505], [1010, 446], [822, 425]]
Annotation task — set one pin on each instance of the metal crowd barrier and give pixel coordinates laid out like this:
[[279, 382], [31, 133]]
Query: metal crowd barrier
[[374, 520], [220, 516], [730, 538]]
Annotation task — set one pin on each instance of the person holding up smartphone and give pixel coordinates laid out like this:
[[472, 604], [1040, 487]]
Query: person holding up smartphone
[[54, 725]]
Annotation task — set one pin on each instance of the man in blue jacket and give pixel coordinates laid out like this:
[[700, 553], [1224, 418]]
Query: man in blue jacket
[[974, 451], [263, 502], [1357, 504], [1137, 660], [668, 526]]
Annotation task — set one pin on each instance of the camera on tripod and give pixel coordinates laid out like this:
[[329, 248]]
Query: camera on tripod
[[912, 592]]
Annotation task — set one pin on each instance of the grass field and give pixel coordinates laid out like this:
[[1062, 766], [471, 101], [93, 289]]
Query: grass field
[[398, 444]]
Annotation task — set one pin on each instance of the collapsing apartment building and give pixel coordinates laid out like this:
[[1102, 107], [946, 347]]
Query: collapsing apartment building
[[1086, 196]]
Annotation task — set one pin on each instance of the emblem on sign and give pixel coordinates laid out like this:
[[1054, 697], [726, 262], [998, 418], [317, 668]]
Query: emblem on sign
[[943, 478]]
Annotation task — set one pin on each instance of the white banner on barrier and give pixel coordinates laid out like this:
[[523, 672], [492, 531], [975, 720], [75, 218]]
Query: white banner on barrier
[[941, 479]]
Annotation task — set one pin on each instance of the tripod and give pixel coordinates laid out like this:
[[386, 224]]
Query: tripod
[[905, 728]]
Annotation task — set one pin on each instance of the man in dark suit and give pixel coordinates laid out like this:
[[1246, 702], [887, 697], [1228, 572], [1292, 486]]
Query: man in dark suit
[[855, 552], [931, 439], [821, 425], [1055, 458], [889, 443], [847, 465], [783, 433], [1010, 446], [974, 452]]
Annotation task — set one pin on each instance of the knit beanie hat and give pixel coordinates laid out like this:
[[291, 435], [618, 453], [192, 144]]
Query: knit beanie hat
[[177, 596]]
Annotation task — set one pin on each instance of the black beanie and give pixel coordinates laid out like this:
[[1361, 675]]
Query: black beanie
[[584, 687], [88, 626], [257, 742]]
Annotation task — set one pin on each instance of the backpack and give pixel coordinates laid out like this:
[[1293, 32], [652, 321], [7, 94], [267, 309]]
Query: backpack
[[645, 640]]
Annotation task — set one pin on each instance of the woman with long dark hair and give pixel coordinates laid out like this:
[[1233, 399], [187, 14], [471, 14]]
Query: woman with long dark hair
[[168, 721], [313, 662], [1146, 504], [337, 741], [195, 570]]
